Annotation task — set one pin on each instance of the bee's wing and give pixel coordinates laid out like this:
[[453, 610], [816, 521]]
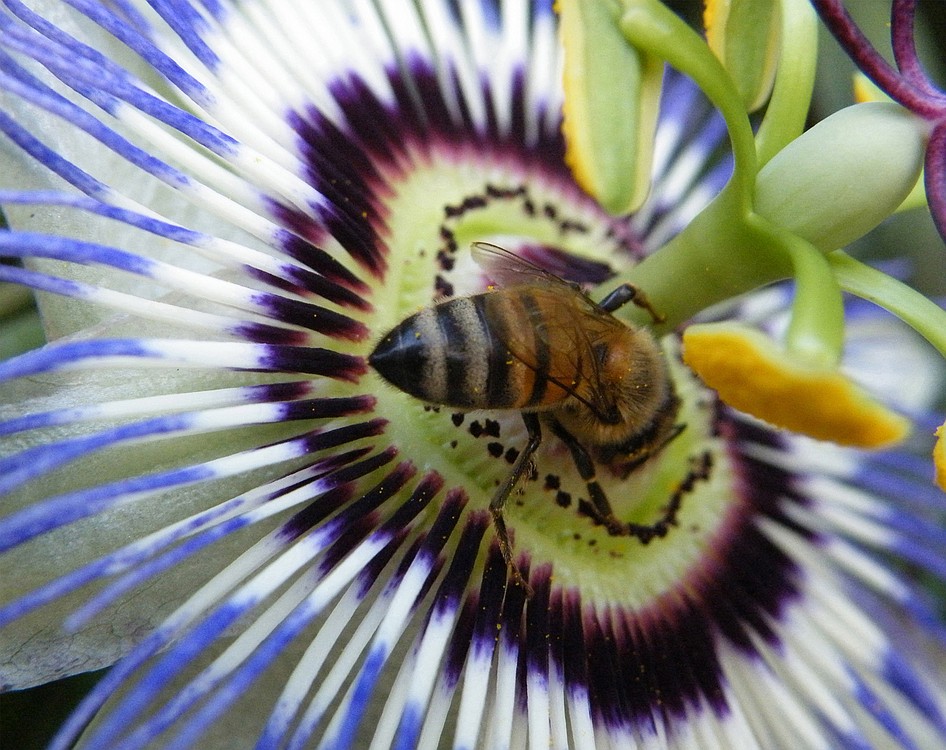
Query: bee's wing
[[572, 328], [505, 268]]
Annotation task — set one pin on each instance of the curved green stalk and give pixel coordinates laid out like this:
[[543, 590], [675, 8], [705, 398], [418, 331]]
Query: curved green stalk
[[721, 254], [794, 80], [651, 26], [816, 330], [923, 315]]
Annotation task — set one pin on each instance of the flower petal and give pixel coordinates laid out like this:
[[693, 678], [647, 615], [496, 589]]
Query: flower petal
[[350, 557]]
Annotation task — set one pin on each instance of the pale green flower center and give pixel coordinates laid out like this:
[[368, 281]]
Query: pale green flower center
[[435, 213]]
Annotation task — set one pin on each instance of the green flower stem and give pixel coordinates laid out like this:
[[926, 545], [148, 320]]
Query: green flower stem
[[794, 80], [816, 329], [716, 259], [651, 26], [923, 315], [726, 250], [722, 253]]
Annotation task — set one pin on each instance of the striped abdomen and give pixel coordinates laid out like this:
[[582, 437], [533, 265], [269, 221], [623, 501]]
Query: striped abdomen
[[457, 353]]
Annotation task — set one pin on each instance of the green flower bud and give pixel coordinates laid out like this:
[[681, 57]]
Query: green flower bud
[[839, 180]]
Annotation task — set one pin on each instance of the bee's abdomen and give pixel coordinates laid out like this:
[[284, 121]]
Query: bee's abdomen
[[447, 354]]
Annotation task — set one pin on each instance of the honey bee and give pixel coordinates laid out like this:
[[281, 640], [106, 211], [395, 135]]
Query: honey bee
[[537, 344]]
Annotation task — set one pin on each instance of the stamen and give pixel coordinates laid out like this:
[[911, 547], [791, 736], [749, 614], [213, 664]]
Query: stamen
[[939, 457], [751, 374]]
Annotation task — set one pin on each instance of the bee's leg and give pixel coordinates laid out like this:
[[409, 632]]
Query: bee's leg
[[630, 293], [498, 503], [699, 470], [586, 470]]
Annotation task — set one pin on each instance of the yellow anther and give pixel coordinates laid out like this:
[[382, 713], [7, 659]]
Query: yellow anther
[[939, 457], [609, 113], [745, 36], [753, 374], [714, 16]]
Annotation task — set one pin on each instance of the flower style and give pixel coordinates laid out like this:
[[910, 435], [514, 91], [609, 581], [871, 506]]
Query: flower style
[[206, 485], [908, 85]]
